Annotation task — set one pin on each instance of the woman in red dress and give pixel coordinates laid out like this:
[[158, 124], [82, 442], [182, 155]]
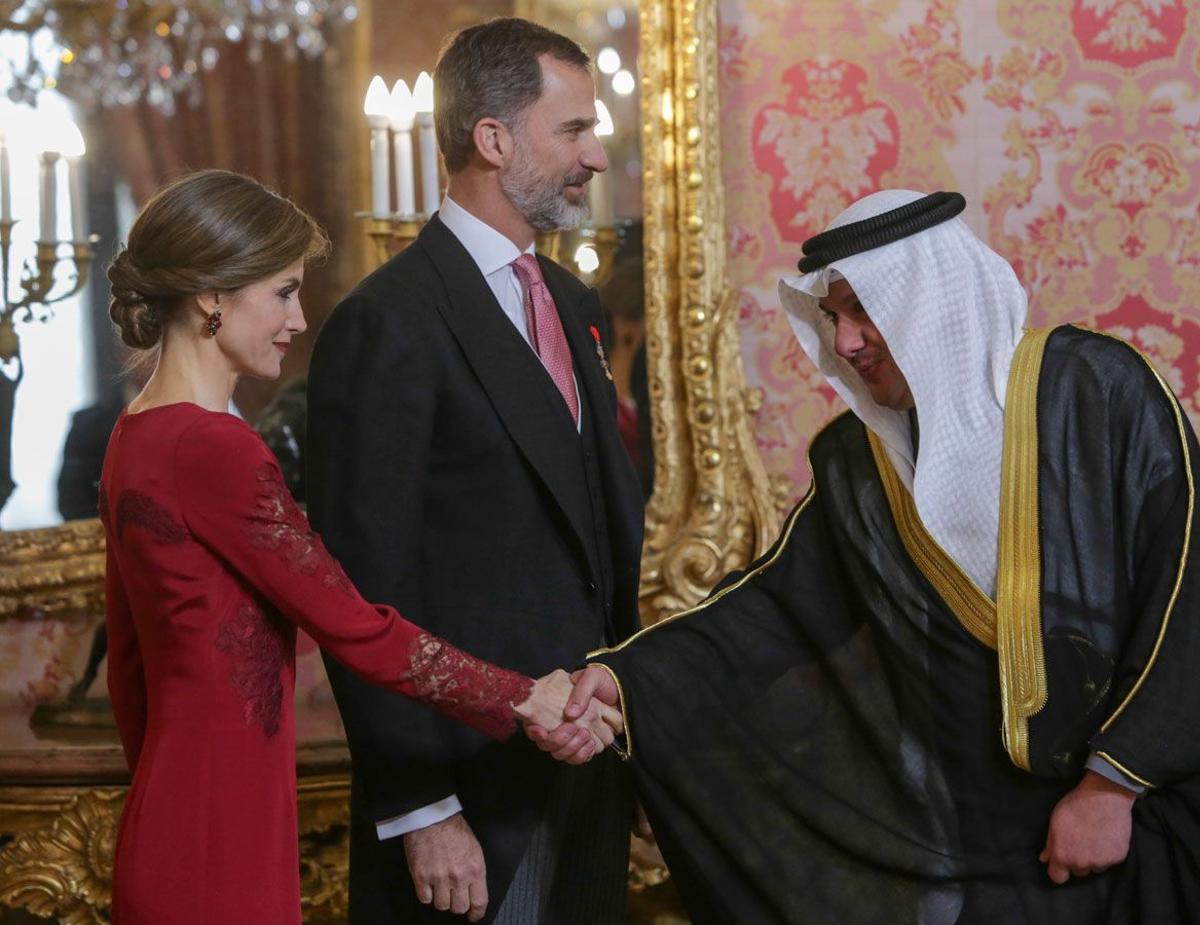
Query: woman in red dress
[[212, 566]]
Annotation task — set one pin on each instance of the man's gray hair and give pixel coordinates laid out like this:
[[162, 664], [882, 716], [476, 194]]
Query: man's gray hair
[[492, 70]]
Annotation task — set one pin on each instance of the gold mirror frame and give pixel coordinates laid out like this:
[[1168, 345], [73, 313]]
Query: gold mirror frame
[[713, 508], [52, 571]]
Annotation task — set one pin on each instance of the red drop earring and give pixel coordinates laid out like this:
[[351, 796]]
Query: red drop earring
[[212, 323]]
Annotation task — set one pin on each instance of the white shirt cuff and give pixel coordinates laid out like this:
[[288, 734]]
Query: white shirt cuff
[[1108, 771], [419, 818]]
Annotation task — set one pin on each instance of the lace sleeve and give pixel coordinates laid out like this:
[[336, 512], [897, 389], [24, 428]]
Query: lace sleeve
[[463, 687]]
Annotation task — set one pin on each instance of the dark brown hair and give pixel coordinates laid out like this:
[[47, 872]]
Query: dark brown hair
[[210, 231], [623, 294], [492, 70]]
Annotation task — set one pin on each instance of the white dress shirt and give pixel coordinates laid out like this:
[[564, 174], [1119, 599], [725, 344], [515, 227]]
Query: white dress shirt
[[494, 254]]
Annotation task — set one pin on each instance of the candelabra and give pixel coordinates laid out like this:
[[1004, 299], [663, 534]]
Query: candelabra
[[38, 282], [41, 290], [389, 236], [594, 249]]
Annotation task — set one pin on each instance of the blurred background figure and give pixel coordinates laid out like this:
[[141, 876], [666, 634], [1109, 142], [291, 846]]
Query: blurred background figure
[[623, 296]]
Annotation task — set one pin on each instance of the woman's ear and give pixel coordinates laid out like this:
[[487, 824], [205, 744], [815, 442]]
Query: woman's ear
[[208, 302], [493, 141]]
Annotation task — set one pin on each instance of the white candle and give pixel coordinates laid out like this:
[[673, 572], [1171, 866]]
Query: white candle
[[375, 106], [599, 192], [5, 184], [72, 148], [380, 193], [406, 192], [429, 164], [402, 116], [423, 104], [48, 199], [79, 219]]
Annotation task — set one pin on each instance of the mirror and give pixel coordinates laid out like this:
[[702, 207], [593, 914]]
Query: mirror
[[267, 108], [294, 121]]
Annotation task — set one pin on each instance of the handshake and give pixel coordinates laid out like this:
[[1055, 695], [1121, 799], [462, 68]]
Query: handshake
[[573, 717]]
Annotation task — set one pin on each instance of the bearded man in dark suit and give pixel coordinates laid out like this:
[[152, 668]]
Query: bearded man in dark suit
[[465, 466]]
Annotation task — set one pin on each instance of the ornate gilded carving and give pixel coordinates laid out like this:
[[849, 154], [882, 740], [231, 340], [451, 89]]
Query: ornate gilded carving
[[60, 862], [713, 507], [55, 571], [325, 848], [324, 873], [65, 869]]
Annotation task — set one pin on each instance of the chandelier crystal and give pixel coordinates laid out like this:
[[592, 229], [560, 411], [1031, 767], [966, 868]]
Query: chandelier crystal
[[119, 52]]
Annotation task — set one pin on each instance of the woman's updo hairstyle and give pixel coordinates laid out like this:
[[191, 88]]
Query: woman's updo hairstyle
[[210, 231]]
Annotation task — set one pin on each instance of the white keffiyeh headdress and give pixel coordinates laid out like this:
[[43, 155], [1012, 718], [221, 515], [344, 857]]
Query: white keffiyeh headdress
[[951, 311]]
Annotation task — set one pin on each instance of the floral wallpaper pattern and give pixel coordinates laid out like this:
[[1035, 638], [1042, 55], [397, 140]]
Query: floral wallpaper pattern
[[1071, 126]]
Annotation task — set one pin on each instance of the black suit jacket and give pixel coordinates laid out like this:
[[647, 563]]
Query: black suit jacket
[[444, 472]]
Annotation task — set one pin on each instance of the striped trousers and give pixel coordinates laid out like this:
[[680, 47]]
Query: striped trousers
[[575, 870]]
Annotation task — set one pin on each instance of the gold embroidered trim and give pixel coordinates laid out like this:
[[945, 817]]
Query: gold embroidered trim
[[1187, 534], [708, 602], [1023, 686], [785, 536], [627, 752], [1124, 770], [974, 609], [702, 605]]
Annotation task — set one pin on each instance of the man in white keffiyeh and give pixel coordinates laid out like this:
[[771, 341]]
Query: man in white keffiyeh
[[999, 534], [943, 312], [931, 322]]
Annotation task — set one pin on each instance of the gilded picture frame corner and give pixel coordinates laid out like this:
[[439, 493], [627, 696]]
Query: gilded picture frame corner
[[714, 507]]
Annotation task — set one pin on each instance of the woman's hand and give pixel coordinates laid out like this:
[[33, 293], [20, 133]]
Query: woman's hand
[[593, 729]]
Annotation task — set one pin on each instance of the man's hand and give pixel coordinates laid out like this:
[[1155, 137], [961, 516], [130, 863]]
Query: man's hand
[[592, 730], [1089, 829], [447, 867], [594, 688]]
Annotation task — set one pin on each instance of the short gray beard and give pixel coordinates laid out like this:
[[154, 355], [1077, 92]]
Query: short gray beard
[[538, 198]]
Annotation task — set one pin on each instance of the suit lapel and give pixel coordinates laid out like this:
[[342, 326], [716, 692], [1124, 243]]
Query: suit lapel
[[522, 392]]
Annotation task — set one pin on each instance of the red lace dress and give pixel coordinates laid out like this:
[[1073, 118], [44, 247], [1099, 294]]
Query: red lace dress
[[211, 567]]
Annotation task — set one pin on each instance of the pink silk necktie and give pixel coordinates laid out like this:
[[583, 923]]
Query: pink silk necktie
[[545, 330]]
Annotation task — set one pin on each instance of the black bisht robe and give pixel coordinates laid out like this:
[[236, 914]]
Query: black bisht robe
[[852, 732]]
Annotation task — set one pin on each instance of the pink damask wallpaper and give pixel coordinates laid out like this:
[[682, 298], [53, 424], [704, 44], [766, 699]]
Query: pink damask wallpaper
[[1071, 126]]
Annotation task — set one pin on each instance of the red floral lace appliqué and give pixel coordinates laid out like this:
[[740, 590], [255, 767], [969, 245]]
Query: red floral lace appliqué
[[462, 686], [136, 508], [258, 648], [278, 524]]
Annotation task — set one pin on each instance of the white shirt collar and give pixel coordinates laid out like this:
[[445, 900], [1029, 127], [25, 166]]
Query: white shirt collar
[[490, 250]]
